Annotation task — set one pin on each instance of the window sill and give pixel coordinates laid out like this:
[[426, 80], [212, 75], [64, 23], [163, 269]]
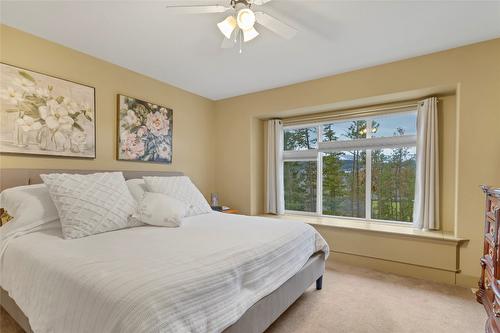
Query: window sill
[[361, 225]]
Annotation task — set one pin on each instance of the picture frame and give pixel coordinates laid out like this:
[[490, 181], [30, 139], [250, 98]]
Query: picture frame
[[44, 115], [144, 131]]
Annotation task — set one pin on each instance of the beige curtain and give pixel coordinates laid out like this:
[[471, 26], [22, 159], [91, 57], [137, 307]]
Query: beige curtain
[[274, 167], [426, 205]]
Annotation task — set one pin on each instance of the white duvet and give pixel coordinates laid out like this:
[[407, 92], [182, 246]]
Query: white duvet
[[200, 277]]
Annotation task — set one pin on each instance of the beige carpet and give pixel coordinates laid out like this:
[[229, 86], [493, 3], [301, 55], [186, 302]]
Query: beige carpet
[[360, 300]]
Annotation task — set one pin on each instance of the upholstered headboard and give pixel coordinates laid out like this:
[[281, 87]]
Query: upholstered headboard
[[18, 177]]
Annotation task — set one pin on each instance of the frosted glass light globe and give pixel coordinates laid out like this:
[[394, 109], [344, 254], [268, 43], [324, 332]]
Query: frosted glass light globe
[[245, 19]]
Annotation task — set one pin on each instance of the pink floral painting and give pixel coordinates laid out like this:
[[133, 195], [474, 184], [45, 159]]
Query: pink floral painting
[[145, 131]]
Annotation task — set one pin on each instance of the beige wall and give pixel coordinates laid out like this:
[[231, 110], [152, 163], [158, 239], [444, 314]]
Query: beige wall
[[470, 132], [220, 144], [447, 120], [193, 115]]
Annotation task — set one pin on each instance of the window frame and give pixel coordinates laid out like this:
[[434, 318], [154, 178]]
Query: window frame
[[367, 144]]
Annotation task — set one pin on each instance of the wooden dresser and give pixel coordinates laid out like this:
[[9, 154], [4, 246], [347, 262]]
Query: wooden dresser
[[489, 284]]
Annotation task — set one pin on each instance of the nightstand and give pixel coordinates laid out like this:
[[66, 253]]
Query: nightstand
[[231, 211]]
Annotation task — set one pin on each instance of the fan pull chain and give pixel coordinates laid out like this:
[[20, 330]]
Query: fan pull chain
[[241, 50]]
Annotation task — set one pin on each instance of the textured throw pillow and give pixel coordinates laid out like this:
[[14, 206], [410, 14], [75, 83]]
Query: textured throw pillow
[[91, 204], [182, 189], [160, 210]]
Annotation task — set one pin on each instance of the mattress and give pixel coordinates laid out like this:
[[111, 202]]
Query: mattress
[[200, 277]]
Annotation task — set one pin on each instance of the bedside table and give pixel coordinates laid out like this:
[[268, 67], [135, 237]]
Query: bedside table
[[231, 211]]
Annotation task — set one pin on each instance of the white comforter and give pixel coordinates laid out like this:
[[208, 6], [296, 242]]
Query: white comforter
[[200, 277]]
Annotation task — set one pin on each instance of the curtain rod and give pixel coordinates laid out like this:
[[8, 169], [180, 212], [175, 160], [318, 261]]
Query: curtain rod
[[397, 106], [346, 113]]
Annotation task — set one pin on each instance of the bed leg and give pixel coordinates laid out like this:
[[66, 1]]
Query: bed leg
[[319, 283]]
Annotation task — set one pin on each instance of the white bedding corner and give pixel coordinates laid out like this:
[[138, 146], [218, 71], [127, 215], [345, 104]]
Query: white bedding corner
[[200, 277]]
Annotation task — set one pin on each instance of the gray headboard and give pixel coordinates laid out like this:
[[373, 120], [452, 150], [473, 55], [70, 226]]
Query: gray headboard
[[18, 177]]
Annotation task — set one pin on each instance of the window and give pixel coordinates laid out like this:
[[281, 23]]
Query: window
[[301, 138], [359, 168], [300, 187], [344, 183], [393, 183]]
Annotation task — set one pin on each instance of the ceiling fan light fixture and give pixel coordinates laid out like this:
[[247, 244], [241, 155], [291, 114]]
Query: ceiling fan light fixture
[[249, 34], [245, 19], [227, 26]]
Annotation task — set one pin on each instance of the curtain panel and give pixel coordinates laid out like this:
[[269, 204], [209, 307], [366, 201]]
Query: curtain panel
[[274, 168], [426, 205]]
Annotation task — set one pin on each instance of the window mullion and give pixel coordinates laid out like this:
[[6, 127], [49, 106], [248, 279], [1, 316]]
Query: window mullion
[[319, 175], [300, 154], [368, 174], [368, 181], [368, 142]]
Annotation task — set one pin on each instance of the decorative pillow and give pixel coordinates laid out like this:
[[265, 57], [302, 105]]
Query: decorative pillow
[[91, 204], [29, 206], [31, 209], [137, 188], [182, 189], [160, 210], [4, 216]]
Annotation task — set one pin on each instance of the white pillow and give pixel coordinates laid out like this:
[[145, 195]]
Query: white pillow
[[137, 188], [32, 209], [91, 204], [160, 210], [30, 206], [180, 188]]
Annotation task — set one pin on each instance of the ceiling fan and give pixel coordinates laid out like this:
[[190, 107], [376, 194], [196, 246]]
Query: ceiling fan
[[239, 26]]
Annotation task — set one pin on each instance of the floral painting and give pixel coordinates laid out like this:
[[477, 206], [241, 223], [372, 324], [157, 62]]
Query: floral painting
[[44, 115], [145, 131]]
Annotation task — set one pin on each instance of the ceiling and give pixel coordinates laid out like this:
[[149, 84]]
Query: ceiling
[[184, 50]]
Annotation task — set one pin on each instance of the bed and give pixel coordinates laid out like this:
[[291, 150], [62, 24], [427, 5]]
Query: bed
[[218, 272]]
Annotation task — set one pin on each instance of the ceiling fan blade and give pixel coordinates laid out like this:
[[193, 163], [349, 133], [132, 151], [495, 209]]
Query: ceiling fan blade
[[229, 43], [198, 9], [275, 25], [260, 2]]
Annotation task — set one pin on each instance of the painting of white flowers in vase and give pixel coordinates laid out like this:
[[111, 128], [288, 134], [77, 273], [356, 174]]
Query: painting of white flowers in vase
[[44, 115], [145, 131]]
